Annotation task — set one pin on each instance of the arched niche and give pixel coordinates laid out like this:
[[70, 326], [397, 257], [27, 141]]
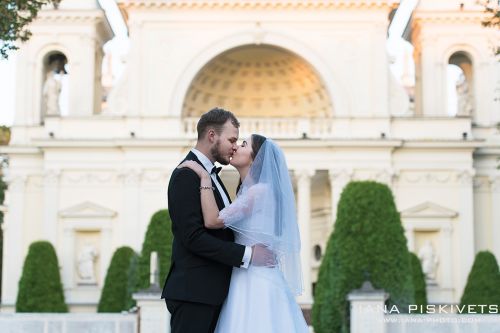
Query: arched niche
[[54, 89], [460, 83], [258, 81]]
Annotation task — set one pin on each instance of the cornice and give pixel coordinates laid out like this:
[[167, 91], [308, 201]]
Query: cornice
[[74, 16], [449, 17], [83, 17], [254, 4]]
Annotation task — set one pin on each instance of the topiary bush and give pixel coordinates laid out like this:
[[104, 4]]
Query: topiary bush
[[115, 295], [418, 281], [368, 241], [40, 288], [483, 283], [158, 238]]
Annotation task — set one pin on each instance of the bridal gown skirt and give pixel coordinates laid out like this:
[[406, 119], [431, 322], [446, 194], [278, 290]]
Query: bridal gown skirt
[[259, 301]]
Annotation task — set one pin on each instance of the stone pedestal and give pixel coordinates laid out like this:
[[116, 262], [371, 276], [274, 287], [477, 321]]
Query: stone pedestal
[[367, 309], [153, 313]]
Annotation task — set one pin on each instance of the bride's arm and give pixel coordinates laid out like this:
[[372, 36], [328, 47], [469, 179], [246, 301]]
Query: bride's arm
[[208, 204]]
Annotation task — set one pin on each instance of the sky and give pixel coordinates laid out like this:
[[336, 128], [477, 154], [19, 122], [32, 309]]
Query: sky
[[119, 46]]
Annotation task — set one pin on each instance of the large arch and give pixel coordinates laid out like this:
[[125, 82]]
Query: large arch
[[258, 81], [334, 90]]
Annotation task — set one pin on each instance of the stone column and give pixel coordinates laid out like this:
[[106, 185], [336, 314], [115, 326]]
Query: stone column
[[13, 257], [50, 205], [466, 225], [367, 309], [446, 257], [68, 258], [339, 178], [304, 219], [131, 225], [495, 214]]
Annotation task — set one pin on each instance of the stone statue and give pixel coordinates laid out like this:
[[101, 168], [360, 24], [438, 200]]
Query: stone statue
[[464, 97], [86, 258], [429, 261], [52, 85]]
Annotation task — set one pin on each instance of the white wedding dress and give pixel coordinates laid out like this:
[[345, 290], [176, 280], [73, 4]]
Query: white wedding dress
[[259, 301], [262, 299]]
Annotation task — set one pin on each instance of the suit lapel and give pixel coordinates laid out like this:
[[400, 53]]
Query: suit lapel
[[218, 198], [223, 188]]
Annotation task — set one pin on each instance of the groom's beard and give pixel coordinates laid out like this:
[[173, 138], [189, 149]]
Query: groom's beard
[[216, 154]]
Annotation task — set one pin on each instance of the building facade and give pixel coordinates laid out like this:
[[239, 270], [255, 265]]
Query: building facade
[[313, 75]]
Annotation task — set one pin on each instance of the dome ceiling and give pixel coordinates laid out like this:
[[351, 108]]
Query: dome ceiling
[[258, 81]]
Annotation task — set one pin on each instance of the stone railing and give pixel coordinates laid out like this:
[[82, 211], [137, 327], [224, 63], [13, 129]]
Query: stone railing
[[68, 322]]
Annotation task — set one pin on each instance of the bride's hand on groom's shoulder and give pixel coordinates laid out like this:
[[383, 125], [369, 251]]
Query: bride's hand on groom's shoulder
[[200, 171], [262, 256]]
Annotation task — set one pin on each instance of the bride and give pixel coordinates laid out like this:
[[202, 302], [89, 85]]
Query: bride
[[260, 299]]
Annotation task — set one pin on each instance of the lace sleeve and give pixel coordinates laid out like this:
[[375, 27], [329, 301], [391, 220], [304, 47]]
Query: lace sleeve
[[241, 207]]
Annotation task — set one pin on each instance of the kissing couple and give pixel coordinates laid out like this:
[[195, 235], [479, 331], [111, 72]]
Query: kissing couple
[[235, 265]]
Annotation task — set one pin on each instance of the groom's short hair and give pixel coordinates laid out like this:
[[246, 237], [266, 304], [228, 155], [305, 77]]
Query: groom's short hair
[[215, 118]]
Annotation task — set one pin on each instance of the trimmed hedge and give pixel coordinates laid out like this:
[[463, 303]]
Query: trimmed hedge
[[115, 294], [418, 281], [40, 288], [368, 241], [483, 283], [158, 238]]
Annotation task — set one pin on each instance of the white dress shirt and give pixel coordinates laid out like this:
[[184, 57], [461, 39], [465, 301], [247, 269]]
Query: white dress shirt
[[208, 165]]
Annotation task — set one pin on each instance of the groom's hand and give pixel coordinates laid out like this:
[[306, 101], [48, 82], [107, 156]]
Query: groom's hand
[[262, 256]]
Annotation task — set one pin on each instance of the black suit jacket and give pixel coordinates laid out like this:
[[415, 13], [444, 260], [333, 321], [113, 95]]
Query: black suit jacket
[[202, 259]]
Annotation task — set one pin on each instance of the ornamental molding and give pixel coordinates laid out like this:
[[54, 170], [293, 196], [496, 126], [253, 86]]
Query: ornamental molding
[[429, 210], [340, 176], [87, 209], [64, 16], [89, 177], [255, 4], [449, 17], [464, 177]]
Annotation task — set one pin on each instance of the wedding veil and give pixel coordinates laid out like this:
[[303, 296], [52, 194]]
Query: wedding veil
[[265, 212]]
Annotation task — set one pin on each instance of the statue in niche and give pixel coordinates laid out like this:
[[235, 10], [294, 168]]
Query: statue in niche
[[464, 97], [429, 260], [52, 85], [86, 258]]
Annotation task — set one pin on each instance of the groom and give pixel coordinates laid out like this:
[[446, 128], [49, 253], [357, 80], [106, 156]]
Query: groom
[[203, 259]]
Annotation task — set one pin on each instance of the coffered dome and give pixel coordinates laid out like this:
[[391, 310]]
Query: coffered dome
[[258, 81]]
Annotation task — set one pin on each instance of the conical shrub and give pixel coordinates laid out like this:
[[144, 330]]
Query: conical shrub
[[368, 242], [40, 288], [483, 283], [115, 295]]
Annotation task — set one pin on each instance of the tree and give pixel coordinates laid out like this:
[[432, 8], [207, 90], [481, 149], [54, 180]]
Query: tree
[[158, 238], [115, 295], [368, 241], [418, 281], [493, 9], [483, 283], [40, 288], [16, 16]]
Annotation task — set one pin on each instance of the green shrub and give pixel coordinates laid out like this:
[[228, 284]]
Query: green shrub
[[115, 295], [40, 288], [483, 283], [368, 241], [158, 238], [418, 281]]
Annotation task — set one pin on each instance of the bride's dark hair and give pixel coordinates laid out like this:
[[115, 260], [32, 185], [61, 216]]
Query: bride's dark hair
[[257, 141]]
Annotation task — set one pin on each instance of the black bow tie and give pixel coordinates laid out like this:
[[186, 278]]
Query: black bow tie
[[216, 170]]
